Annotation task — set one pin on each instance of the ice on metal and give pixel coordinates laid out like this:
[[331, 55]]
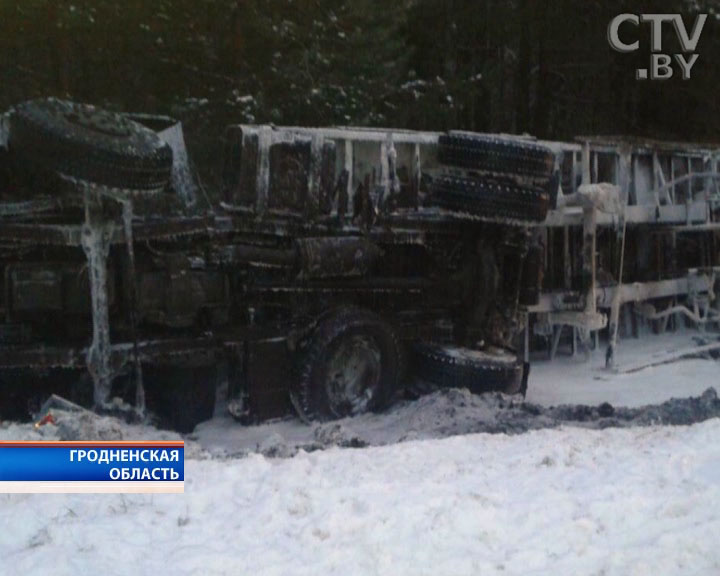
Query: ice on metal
[[4, 130], [263, 171], [182, 178], [96, 238]]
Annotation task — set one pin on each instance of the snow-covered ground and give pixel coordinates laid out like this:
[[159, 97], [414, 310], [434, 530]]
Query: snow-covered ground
[[576, 380], [559, 500], [564, 501]]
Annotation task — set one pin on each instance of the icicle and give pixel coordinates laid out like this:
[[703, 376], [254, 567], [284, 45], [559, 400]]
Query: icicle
[[182, 179], [314, 177], [392, 166], [127, 224], [417, 178], [348, 166], [96, 237], [4, 130], [380, 197], [263, 172]]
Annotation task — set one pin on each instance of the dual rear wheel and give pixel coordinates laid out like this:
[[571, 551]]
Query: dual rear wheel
[[354, 362]]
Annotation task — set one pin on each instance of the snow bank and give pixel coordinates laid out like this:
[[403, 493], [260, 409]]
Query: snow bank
[[562, 501]]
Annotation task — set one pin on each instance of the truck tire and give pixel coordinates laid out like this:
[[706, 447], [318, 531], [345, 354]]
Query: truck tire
[[85, 143], [183, 396], [497, 155], [352, 364], [479, 372], [490, 199]]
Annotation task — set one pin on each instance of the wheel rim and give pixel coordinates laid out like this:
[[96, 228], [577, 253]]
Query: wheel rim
[[353, 376]]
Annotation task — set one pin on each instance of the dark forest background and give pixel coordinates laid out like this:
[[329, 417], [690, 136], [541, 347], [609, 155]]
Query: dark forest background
[[537, 66]]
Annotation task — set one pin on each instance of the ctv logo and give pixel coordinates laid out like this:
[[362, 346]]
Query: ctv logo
[[661, 65]]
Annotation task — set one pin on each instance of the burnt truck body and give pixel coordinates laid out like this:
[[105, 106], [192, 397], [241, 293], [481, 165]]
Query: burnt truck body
[[338, 263], [631, 245]]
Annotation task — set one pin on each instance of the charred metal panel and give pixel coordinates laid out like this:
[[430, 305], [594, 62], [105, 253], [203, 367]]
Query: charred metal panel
[[337, 257], [312, 202], [42, 357], [289, 175], [240, 168], [151, 292], [251, 254], [268, 372], [40, 234], [532, 276], [76, 290], [191, 352], [327, 176], [170, 227], [178, 295], [36, 287]]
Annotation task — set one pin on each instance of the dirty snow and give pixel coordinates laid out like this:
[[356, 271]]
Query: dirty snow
[[442, 414]]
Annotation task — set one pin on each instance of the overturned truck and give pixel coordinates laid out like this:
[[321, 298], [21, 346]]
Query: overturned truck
[[334, 265]]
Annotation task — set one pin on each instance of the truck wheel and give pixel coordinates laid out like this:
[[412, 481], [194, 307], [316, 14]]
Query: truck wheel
[[82, 142], [183, 396], [490, 199], [479, 372], [353, 364], [497, 155]]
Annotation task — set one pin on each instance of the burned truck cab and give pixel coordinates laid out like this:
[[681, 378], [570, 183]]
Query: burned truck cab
[[336, 265], [86, 307]]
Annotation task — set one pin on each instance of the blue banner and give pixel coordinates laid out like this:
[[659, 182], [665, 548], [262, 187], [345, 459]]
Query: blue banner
[[92, 461]]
